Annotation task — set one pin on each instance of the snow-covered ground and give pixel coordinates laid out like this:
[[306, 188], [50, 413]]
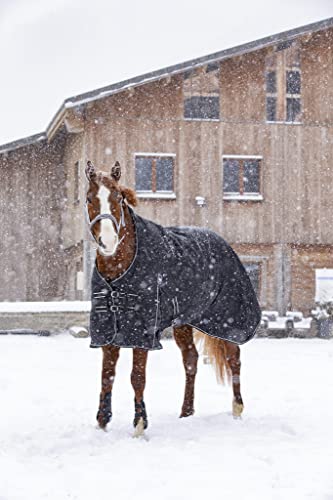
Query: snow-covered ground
[[50, 447]]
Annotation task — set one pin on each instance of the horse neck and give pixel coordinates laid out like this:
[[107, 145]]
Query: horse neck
[[113, 267]]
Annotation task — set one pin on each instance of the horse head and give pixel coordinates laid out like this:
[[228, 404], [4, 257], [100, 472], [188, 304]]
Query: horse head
[[106, 204]]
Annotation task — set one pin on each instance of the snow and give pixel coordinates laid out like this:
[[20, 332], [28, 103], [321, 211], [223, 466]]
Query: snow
[[50, 448], [246, 197], [324, 285], [280, 323], [45, 307]]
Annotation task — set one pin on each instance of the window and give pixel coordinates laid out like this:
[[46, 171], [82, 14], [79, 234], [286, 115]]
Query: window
[[293, 93], [271, 97], [283, 84], [77, 182], [241, 177], [254, 271], [154, 174], [201, 93], [324, 285], [202, 107]]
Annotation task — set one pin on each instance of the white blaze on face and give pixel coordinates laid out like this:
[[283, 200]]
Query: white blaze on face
[[108, 234]]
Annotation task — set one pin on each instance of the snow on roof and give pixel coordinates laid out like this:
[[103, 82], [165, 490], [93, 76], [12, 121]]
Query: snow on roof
[[210, 58]]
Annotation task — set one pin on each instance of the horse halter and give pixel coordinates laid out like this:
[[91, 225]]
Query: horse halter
[[118, 225]]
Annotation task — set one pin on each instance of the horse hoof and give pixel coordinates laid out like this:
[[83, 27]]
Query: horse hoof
[[237, 409], [141, 421], [140, 416], [140, 427], [186, 413], [103, 419]]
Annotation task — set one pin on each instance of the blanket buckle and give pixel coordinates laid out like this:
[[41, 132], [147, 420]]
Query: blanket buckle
[[114, 308], [117, 295]]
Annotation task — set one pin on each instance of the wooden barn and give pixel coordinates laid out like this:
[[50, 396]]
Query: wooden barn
[[240, 141]]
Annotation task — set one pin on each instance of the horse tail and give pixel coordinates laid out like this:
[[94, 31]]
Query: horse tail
[[215, 351]]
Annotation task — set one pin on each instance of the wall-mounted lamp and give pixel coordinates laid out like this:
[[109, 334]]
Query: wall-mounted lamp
[[200, 201]]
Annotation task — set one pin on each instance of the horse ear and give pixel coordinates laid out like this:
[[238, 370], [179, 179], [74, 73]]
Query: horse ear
[[116, 171], [129, 195], [90, 171]]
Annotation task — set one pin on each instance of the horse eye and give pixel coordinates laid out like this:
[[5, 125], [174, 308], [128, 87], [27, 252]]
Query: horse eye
[[88, 199]]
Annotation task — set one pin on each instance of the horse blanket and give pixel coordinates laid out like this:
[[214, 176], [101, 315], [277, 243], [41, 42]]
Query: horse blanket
[[179, 275]]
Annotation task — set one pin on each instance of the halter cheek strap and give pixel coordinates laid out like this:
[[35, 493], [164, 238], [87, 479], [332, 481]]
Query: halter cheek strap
[[118, 225]]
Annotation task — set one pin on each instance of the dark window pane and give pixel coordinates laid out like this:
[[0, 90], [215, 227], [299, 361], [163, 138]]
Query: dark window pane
[[202, 107], [271, 109], [293, 109], [253, 270], [143, 173], [293, 81], [251, 176], [164, 174], [230, 176], [271, 82]]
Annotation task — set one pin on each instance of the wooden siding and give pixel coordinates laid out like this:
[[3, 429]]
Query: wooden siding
[[304, 262], [296, 174], [32, 193]]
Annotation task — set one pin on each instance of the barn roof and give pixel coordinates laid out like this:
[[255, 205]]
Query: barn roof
[[26, 141], [115, 88]]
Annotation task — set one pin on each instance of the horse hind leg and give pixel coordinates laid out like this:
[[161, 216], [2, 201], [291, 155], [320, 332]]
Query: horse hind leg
[[138, 380], [233, 360], [110, 358], [184, 339], [225, 357]]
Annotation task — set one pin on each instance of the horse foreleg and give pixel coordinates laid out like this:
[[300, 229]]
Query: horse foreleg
[[138, 380], [233, 359], [110, 358], [184, 339]]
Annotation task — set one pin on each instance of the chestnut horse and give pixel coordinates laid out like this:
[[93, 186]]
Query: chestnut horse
[[112, 227]]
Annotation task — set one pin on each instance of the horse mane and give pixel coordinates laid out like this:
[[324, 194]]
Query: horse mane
[[129, 195]]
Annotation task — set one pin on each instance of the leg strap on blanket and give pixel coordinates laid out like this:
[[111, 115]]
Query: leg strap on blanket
[[140, 412]]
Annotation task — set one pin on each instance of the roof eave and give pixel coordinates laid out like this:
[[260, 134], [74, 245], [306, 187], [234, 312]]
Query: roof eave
[[26, 141], [56, 122]]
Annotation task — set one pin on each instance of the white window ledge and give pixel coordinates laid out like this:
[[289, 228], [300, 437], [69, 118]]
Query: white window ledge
[[202, 119], [243, 197], [242, 157], [283, 123], [160, 195], [156, 154]]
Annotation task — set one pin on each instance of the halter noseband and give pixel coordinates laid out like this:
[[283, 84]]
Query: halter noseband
[[118, 225]]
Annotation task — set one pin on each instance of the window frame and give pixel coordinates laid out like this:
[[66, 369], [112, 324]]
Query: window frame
[[198, 118], [270, 94], [293, 96], [76, 186], [241, 195], [154, 193], [263, 261], [199, 88], [259, 264], [283, 60]]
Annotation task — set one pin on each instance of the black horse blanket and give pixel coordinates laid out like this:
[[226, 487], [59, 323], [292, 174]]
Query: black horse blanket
[[180, 275]]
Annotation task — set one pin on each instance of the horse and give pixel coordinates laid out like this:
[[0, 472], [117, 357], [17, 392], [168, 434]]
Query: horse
[[113, 224]]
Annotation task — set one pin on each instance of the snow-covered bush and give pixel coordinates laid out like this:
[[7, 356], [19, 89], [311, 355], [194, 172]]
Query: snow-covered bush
[[324, 310]]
